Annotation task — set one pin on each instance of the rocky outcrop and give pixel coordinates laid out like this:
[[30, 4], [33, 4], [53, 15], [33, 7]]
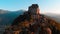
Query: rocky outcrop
[[31, 24]]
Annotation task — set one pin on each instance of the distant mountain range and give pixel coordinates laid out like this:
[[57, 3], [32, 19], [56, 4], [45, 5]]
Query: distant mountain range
[[56, 17], [7, 17]]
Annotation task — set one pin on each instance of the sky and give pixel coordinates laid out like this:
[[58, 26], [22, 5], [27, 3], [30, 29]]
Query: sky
[[46, 6]]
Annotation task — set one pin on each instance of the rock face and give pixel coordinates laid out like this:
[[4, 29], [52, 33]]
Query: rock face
[[33, 24]]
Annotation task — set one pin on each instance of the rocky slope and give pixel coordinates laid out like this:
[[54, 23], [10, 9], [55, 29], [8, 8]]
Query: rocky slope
[[7, 17], [26, 20]]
